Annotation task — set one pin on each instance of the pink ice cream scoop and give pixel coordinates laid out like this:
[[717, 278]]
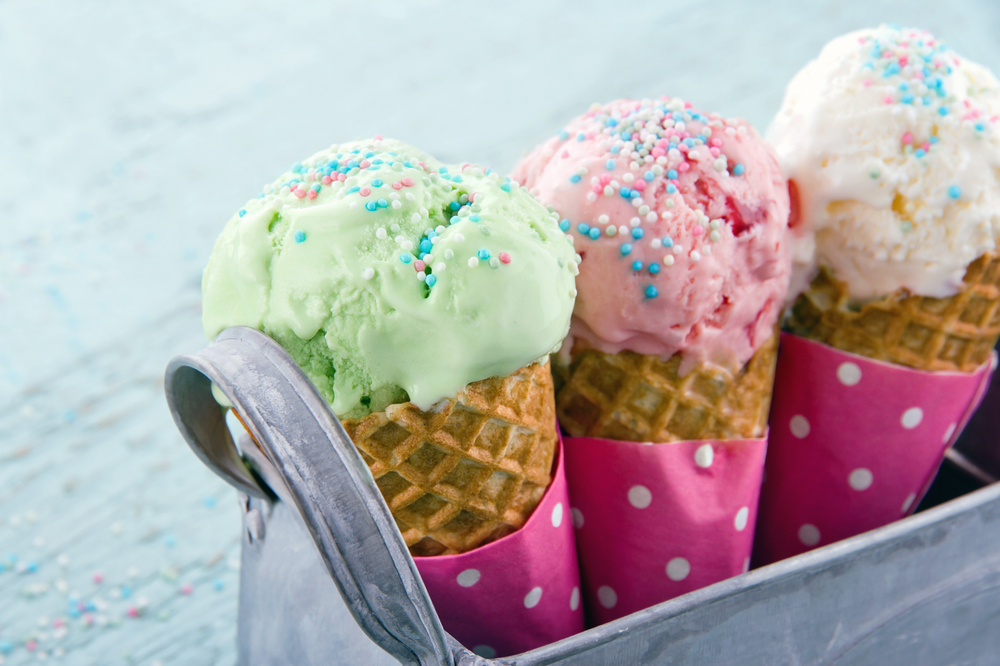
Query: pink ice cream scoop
[[681, 220]]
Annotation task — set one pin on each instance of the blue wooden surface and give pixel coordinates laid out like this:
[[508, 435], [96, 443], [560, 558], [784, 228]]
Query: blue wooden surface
[[130, 132]]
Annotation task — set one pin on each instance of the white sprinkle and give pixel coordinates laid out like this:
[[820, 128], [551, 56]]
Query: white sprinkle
[[449, 254], [494, 262], [603, 219], [628, 178], [706, 250], [670, 203], [394, 228], [428, 259], [459, 238], [473, 262], [715, 236], [611, 230], [608, 191], [439, 268], [623, 230], [396, 205], [668, 260], [415, 217], [380, 234], [695, 255], [655, 243], [421, 275], [678, 249], [423, 212], [591, 197], [434, 241], [635, 222], [652, 216], [353, 205], [643, 210], [406, 245], [658, 168], [368, 273], [410, 197], [574, 268], [394, 196]]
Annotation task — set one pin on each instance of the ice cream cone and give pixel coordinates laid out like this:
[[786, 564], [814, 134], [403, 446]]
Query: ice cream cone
[[936, 334], [639, 397], [469, 470]]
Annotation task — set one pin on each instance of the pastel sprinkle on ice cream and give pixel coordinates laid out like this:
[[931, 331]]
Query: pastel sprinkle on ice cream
[[391, 277], [681, 219], [891, 141]]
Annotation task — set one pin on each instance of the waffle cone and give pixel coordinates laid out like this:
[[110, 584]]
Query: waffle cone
[[642, 398], [469, 470], [937, 334]]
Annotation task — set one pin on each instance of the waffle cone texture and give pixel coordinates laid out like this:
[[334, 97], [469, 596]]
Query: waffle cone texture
[[936, 334], [643, 398], [469, 470]]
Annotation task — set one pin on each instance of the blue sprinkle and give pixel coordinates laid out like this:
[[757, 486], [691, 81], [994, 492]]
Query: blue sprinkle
[[635, 194], [934, 139], [637, 265], [426, 246], [564, 225], [563, 135], [209, 502], [170, 541], [654, 268], [615, 150], [594, 233], [382, 203], [454, 205], [242, 213], [575, 178], [690, 143], [69, 416], [625, 136], [671, 189], [353, 163], [637, 233], [672, 174], [475, 217], [371, 205], [217, 584], [651, 292], [581, 136], [610, 165], [317, 187], [297, 167], [583, 228], [32, 567], [626, 248], [6, 647], [483, 254], [738, 170], [455, 219], [376, 183], [611, 122], [74, 613], [353, 189], [919, 152], [625, 192], [505, 187], [668, 241], [980, 127], [422, 255], [370, 154], [456, 179], [90, 607], [443, 170], [954, 191], [891, 69], [648, 176], [906, 99], [430, 280], [904, 86], [300, 236], [926, 101], [126, 591], [406, 257]]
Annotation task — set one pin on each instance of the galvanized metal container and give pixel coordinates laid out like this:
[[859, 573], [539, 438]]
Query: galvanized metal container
[[326, 577]]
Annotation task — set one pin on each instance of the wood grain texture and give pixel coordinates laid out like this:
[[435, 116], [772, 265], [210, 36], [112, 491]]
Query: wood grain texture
[[129, 134]]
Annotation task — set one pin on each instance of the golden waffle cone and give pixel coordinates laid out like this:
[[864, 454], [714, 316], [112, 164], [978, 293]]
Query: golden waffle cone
[[469, 470], [642, 398], [955, 333]]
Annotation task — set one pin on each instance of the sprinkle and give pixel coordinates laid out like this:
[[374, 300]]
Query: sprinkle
[[563, 135], [738, 170], [668, 260], [368, 273], [668, 241], [651, 292], [449, 254], [419, 265], [672, 174], [504, 257], [648, 176], [654, 268], [611, 230], [581, 136], [364, 191], [483, 254], [637, 233], [874, 173], [371, 206], [595, 233], [610, 165], [695, 255], [473, 262], [300, 236], [407, 182], [954, 191], [637, 265], [564, 225], [575, 178], [494, 263], [583, 228], [626, 248], [430, 280], [381, 234], [376, 183], [406, 257]]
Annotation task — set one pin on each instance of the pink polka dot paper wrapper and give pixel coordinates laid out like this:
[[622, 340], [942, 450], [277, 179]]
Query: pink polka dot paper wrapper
[[854, 443], [655, 521], [517, 593]]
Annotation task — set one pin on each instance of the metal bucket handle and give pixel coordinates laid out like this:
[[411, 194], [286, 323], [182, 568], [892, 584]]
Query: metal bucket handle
[[330, 484]]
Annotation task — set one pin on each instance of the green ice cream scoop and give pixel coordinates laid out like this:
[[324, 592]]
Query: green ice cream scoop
[[390, 277]]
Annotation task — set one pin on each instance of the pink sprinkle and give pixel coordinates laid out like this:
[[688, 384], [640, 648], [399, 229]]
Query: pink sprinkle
[[596, 188], [888, 99], [311, 194], [867, 82], [299, 192], [715, 151], [605, 178], [364, 191], [327, 180], [918, 76], [683, 148], [926, 146], [716, 142], [687, 105], [187, 588], [365, 164], [98, 578], [407, 182], [397, 186], [378, 137], [474, 196], [419, 265], [903, 60], [341, 177], [639, 185], [683, 167], [565, 154], [504, 258], [698, 230], [908, 138], [30, 646], [658, 152], [133, 611]]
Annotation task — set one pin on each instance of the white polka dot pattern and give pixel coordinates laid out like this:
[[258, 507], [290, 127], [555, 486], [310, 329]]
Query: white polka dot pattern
[[860, 479], [799, 425], [640, 497], [678, 569], [607, 596]]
